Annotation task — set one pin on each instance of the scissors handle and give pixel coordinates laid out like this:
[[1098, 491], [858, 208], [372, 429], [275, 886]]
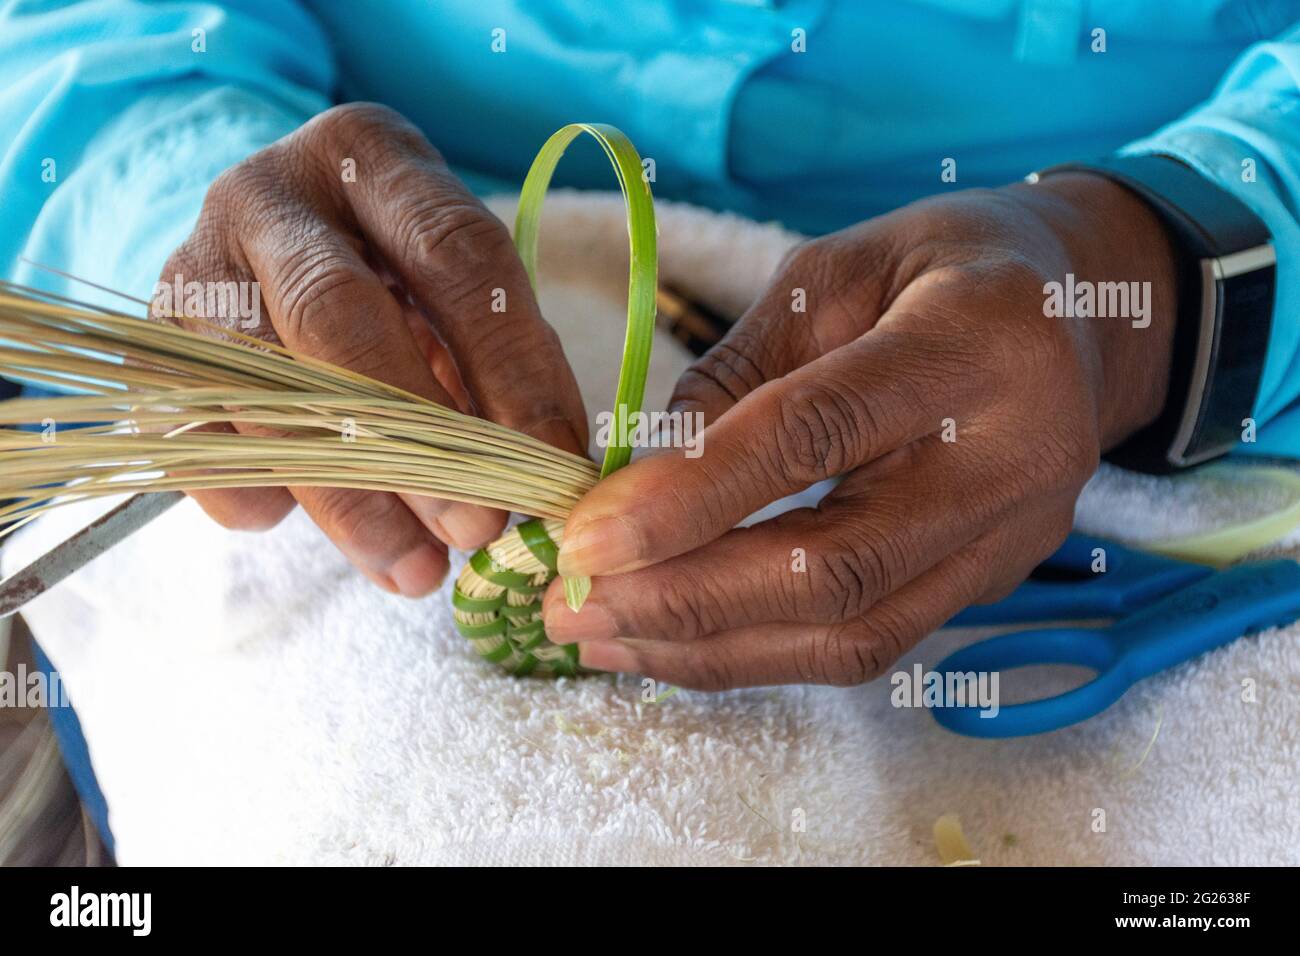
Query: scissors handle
[[1212, 612], [986, 660], [1241, 600], [1069, 586]]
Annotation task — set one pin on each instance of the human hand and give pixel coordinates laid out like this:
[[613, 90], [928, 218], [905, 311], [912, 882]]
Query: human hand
[[391, 272], [963, 420]]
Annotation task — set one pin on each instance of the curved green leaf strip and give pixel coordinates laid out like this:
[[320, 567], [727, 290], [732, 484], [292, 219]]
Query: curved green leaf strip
[[1225, 546], [642, 280]]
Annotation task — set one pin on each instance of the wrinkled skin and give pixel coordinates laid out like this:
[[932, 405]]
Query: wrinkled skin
[[931, 315], [391, 275], [923, 324]]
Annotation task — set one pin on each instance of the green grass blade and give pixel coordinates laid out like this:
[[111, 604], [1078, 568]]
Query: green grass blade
[[643, 277]]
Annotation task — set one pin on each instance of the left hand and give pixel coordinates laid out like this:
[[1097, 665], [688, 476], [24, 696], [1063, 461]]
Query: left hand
[[923, 325]]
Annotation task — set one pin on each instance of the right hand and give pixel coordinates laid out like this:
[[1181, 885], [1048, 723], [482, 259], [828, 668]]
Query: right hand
[[392, 275]]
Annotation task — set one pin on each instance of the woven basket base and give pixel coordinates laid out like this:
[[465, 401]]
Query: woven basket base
[[497, 603]]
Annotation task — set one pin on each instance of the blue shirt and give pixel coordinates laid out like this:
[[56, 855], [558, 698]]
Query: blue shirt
[[813, 112]]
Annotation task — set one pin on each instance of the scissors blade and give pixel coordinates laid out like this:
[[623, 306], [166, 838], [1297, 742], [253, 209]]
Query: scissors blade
[[82, 548]]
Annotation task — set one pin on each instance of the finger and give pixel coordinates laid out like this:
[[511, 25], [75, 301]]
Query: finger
[[214, 254], [437, 357], [841, 654], [764, 344], [465, 526], [381, 536], [880, 392], [887, 523], [326, 302], [239, 509], [802, 314], [459, 263], [244, 509]]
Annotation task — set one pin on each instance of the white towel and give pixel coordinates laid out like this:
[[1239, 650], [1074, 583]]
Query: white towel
[[250, 699]]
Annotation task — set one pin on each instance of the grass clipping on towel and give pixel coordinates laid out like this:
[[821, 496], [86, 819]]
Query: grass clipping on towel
[[152, 397]]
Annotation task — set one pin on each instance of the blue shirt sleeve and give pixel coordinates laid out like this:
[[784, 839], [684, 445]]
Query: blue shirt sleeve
[[1246, 138], [116, 115]]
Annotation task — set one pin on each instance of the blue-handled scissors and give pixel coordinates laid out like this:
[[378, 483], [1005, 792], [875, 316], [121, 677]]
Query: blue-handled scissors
[[1167, 612]]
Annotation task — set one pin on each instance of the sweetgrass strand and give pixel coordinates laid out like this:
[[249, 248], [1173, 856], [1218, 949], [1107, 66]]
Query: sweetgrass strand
[[643, 278], [151, 386], [156, 390]]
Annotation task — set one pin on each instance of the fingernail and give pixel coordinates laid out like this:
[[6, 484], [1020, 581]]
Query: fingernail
[[419, 572], [592, 623], [468, 526], [607, 656], [599, 546]]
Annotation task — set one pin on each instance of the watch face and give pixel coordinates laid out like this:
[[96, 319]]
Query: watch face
[[1244, 314]]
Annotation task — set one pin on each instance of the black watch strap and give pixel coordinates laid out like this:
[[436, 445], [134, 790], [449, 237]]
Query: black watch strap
[[1226, 284]]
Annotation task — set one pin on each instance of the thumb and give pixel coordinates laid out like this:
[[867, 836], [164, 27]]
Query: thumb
[[819, 421]]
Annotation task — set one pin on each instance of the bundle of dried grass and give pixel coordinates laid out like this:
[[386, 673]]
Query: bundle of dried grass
[[153, 385], [149, 390]]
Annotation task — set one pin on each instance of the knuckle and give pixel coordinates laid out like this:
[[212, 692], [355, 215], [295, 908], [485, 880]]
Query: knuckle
[[823, 431], [189, 258], [203, 258], [1020, 275], [224, 189], [792, 260], [1011, 562], [378, 137], [891, 630], [313, 287], [733, 367], [223, 205], [709, 670], [519, 350], [1007, 565], [243, 191], [464, 251], [808, 261], [358, 115], [853, 573], [461, 231], [680, 616], [844, 656], [350, 123], [363, 520]]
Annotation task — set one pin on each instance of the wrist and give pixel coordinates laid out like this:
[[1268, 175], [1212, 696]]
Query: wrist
[[1124, 264]]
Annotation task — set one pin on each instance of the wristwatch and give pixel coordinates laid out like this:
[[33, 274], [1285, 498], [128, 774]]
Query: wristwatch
[[1227, 275]]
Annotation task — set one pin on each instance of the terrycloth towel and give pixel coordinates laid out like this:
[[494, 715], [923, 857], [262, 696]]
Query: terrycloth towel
[[250, 699]]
